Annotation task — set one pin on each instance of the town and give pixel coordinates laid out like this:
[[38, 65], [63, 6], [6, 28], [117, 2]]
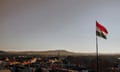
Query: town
[[40, 63]]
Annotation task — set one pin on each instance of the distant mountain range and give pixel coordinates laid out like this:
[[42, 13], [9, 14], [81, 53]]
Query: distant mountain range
[[47, 53]]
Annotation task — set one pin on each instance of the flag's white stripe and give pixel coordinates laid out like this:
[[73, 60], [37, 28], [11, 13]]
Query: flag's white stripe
[[101, 31]]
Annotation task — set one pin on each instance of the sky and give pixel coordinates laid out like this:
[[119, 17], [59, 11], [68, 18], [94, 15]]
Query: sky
[[40, 25]]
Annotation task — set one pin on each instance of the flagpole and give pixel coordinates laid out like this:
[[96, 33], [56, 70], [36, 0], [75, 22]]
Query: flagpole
[[101, 31], [97, 55]]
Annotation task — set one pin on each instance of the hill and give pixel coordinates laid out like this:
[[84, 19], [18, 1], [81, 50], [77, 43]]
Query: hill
[[52, 53], [47, 53]]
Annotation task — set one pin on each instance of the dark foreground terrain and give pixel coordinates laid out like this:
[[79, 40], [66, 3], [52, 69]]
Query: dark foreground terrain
[[58, 61]]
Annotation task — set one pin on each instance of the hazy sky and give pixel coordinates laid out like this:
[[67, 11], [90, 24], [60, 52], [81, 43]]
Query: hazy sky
[[38, 25]]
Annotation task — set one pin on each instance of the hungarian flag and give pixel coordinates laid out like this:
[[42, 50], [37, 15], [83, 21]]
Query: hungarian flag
[[101, 31]]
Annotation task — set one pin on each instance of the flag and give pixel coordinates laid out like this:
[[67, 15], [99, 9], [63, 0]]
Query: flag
[[101, 31]]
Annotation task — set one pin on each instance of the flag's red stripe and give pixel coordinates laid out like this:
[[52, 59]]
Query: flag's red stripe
[[102, 28]]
